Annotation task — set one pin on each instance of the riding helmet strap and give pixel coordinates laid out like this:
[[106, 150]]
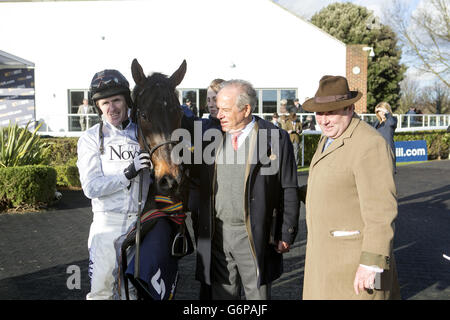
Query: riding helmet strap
[[101, 137]]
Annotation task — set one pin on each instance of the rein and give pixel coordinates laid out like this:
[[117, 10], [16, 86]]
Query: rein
[[156, 213], [173, 211]]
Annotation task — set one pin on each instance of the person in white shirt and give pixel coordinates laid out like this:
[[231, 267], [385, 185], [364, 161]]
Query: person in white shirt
[[109, 160]]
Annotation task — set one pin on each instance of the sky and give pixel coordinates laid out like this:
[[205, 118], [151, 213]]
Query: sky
[[307, 8]]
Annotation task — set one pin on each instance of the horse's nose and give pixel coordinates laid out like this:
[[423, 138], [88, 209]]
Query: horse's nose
[[167, 183]]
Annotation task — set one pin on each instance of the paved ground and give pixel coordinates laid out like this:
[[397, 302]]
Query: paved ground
[[36, 249]]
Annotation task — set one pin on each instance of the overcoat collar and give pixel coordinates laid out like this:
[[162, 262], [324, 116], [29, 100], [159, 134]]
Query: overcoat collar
[[336, 144], [256, 146]]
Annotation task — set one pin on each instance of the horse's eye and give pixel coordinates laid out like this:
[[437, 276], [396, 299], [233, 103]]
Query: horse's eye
[[144, 116]]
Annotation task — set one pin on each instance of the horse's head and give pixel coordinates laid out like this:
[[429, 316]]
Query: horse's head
[[157, 114]]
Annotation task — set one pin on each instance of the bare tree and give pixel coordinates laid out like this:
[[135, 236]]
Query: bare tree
[[409, 94], [425, 35], [435, 99]]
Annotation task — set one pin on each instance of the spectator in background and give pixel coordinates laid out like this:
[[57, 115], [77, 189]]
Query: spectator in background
[[211, 94], [297, 107], [409, 114], [284, 113], [294, 127], [275, 121], [308, 124], [412, 110], [83, 110], [194, 195], [386, 124], [192, 107]]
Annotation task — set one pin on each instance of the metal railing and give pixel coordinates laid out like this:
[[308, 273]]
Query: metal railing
[[73, 123], [405, 122]]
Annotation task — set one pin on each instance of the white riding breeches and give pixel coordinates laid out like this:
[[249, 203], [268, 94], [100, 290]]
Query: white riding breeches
[[106, 227]]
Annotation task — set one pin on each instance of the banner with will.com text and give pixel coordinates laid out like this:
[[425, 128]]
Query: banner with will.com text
[[408, 151]]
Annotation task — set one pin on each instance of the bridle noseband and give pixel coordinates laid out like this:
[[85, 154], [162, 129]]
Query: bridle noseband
[[149, 150]]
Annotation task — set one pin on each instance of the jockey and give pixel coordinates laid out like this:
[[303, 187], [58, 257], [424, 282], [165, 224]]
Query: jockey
[[109, 160]]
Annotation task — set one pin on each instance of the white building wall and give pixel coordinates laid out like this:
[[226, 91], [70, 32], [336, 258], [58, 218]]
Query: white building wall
[[70, 41]]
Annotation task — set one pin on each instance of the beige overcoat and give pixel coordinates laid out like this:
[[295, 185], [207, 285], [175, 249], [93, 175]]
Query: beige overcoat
[[350, 188]]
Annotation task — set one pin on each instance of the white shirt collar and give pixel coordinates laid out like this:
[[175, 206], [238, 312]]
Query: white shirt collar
[[246, 131]]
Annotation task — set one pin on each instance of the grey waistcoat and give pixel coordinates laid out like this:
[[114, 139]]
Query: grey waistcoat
[[230, 172]]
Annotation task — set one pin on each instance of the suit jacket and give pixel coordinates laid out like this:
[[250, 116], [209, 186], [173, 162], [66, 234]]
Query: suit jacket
[[264, 193], [289, 125], [350, 188], [90, 110]]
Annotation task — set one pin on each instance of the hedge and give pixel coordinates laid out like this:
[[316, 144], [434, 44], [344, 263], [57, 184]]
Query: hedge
[[438, 143], [27, 186], [63, 151], [67, 176], [63, 157]]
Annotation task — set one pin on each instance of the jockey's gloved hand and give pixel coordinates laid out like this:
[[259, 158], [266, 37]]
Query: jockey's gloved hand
[[140, 161]]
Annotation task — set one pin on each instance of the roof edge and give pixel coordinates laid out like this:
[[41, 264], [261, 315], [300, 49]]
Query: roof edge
[[304, 20], [20, 61]]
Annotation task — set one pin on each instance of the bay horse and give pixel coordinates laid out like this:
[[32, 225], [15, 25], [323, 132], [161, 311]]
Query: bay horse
[[157, 114]]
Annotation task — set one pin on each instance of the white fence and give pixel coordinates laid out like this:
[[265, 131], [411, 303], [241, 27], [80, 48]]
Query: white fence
[[404, 122]]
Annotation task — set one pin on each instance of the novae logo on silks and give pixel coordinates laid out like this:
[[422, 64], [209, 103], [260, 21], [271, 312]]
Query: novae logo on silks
[[123, 152]]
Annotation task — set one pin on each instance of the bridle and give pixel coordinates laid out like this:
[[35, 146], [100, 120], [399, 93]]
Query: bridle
[[147, 148], [180, 235]]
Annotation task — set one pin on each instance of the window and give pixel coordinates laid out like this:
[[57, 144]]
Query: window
[[191, 95], [289, 95], [269, 101], [75, 100], [202, 103]]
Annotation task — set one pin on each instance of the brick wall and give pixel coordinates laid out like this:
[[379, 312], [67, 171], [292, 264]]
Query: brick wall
[[357, 59]]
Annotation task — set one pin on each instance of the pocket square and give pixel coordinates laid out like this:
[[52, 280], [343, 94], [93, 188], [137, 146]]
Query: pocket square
[[344, 233]]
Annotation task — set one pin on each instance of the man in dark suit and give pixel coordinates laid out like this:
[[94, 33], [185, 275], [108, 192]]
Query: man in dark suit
[[248, 212]]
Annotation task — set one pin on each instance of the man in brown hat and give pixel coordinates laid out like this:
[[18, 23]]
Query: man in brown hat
[[351, 203]]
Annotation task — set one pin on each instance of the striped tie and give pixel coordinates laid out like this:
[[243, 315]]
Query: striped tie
[[234, 139]]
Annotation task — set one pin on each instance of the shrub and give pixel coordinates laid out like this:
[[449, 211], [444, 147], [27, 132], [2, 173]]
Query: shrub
[[19, 147], [27, 186], [62, 150], [311, 142], [67, 176], [438, 141], [63, 156]]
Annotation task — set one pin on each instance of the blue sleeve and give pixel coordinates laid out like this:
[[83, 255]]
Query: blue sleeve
[[187, 112]]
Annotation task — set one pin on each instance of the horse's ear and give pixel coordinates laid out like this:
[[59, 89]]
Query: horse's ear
[[137, 72], [178, 75]]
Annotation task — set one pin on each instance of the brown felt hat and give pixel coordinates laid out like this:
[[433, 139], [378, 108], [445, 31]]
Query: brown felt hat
[[333, 94]]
